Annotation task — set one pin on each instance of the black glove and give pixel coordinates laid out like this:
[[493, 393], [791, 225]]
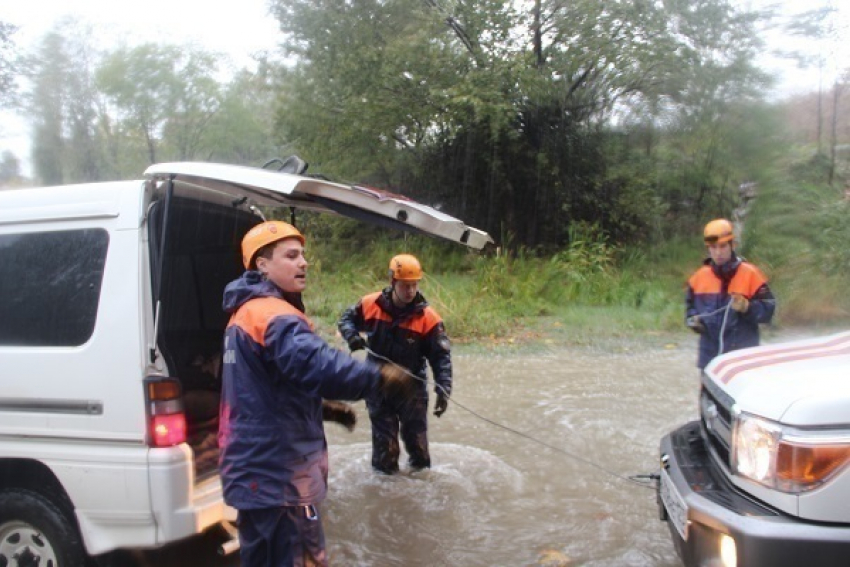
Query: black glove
[[340, 413], [441, 405], [356, 343], [396, 382], [695, 324]]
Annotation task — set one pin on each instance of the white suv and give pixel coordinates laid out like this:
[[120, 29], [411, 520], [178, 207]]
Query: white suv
[[762, 479], [110, 336]]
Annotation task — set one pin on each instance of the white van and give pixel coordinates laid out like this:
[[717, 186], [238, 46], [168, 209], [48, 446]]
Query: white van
[[110, 332]]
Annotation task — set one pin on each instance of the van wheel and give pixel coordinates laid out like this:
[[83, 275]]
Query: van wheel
[[34, 532]]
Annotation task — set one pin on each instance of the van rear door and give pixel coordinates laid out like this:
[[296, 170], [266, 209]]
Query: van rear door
[[250, 186]]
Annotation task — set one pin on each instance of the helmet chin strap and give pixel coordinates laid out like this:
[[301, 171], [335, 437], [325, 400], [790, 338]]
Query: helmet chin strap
[[393, 293]]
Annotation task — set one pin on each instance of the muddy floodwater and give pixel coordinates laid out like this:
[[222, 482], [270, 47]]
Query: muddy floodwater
[[496, 498]]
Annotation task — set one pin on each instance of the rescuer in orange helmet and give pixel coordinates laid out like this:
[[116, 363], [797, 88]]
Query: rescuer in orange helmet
[[727, 297], [275, 373], [402, 327]]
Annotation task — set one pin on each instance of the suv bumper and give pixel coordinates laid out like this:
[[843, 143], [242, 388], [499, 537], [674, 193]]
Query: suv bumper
[[700, 506]]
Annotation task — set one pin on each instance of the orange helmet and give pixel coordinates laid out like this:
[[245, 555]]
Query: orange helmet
[[718, 230], [263, 234], [405, 268]]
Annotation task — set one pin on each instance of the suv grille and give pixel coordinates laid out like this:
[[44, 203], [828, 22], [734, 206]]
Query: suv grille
[[716, 417]]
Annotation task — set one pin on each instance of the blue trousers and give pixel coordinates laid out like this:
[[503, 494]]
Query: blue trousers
[[289, 536], [390, 417]]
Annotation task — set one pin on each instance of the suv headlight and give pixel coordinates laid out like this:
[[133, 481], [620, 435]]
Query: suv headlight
[[784, 458]]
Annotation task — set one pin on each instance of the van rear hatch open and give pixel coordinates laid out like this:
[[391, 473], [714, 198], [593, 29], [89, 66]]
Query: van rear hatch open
[[262, 187], [199, 214]]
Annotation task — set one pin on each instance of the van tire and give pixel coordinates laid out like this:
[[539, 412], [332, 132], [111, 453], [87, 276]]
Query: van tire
[[38, 532]]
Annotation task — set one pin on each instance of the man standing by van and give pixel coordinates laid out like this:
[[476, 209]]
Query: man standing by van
[[273, 451], [404, 329], [727, 297]]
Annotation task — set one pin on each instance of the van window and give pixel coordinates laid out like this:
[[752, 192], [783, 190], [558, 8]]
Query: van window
[[50, 286]]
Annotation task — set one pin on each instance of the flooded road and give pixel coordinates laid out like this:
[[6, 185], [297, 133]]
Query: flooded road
[[494, 497]]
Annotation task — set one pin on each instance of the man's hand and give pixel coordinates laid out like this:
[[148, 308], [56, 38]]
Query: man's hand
[[396, 382], [441, 405], [340, 413], [693, 322], [356, 343], [740, 303]]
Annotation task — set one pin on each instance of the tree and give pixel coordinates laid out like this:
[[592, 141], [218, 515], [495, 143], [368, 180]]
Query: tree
[[823, 37], [62, 104], [838, 90], [495, 110], [163, 94], [47, 108], [7, 63], [241, 130]]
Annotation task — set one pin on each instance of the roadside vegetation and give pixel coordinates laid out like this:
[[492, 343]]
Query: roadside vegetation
[[797, 231], [800, 233]]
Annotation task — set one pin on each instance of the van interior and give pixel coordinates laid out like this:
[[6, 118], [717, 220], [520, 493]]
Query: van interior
[[201, 255]]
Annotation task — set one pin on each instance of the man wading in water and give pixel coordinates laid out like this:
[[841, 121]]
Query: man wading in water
[[402, 327]]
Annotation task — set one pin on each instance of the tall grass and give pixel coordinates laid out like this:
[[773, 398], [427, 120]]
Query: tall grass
[[496, 296], [798, 233]]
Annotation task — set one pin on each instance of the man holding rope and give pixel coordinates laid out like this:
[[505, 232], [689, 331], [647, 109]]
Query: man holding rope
[[727, 298], [403, 328], [276, 371]]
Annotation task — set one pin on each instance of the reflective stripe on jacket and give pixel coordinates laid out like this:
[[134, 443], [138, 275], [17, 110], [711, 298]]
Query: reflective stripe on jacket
[[709, 293], [276, 371]]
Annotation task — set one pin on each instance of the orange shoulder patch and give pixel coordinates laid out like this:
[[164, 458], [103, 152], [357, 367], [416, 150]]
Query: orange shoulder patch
[[704, 281], [423, 324], [747, 280], [255, 315], [371, 311]]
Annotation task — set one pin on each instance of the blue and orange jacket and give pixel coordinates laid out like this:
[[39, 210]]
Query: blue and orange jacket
[[708, 294], [408, 336], [276, 371]]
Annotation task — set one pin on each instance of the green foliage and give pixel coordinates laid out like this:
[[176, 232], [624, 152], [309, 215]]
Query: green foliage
[[239, 132], [499, 296], [161, 93], [496, 111], [108, 115], [798, 232], [61, 106]]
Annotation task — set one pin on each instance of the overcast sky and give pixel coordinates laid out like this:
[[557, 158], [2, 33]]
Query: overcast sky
[[237, 28], [244, 27]]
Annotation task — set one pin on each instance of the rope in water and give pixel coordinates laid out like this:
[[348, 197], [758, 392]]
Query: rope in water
[[630, 479]]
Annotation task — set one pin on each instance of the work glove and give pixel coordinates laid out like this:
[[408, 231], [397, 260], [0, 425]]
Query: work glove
[[693, 322], [356, 343], [396, 382], [740, 303], [441, 405], [340, 413]]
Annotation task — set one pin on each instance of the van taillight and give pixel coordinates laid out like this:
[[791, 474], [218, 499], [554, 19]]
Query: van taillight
[[166, 419]]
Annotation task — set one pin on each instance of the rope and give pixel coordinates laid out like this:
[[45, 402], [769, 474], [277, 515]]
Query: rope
[[630, 479], [726, 308]]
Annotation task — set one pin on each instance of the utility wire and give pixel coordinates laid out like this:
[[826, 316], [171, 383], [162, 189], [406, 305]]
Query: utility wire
[[630, 479]]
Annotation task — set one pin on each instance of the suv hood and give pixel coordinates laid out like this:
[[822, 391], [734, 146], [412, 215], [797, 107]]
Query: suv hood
[[251, 186], [801, 383]]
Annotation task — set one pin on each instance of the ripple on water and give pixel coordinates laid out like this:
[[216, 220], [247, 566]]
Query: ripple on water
[[450, 511]]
